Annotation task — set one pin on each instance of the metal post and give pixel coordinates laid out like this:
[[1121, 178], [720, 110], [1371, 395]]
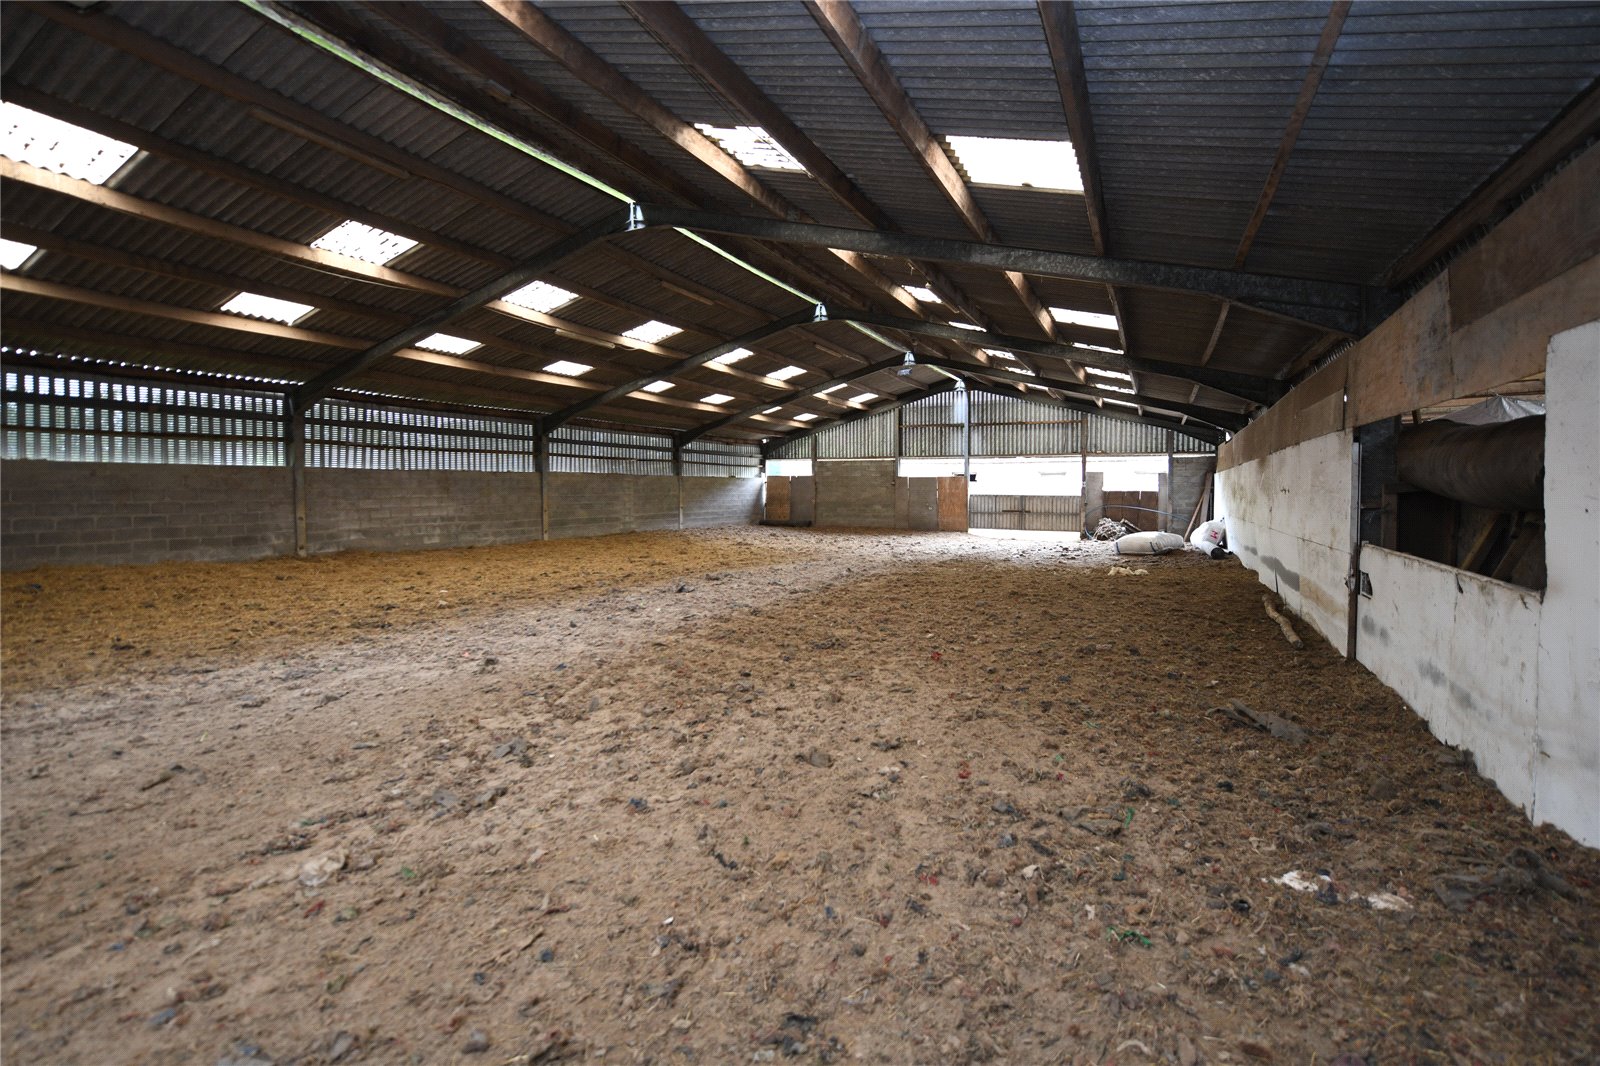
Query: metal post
[[541, 463], [677, 472], [964, 400], [295, 457]]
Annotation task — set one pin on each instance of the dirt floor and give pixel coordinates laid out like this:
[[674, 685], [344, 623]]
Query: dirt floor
[[748, 795]]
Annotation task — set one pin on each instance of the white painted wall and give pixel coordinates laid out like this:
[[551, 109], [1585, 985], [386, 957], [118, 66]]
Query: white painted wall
[[1510, 674], [1566, 771], [1288, 517], [1463, 651]]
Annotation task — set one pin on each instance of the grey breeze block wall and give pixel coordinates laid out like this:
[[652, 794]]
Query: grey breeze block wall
[[1190, 474], [57, 514], [721, 501], [855, 492], [401, 510], [62, 513]]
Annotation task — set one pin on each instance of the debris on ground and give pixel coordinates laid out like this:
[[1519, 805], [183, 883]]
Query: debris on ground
[[1266, 721], [1025, 849]]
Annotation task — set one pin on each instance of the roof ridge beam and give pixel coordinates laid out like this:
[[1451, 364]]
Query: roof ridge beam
[[1327, 305]]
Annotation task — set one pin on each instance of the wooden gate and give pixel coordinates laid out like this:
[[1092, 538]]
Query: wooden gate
[[1060, 513], [1140, 508]]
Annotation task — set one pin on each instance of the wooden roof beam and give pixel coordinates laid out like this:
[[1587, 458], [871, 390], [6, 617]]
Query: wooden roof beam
[[850, 38], [679, 35], [583, 63], [1297, 119]]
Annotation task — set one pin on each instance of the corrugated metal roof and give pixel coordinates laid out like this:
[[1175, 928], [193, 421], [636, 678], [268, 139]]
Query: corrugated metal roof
[[1420, 103]]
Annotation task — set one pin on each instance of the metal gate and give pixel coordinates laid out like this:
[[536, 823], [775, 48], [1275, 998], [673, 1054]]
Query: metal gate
[[1062, 513]]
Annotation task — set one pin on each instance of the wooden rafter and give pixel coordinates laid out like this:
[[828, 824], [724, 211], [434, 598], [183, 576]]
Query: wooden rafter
[[854, 44], [583, 63], [679, 34], [1291, 133]]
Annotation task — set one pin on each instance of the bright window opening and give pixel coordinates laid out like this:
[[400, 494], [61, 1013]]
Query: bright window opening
[[540, 296], [658, 386], [14, 253], [652, 332], [569, 368], [830, 388], [366, 243], [751, 145], [716, 397], [1070, 317], [251, 305], [450, 345], [863, 397], [920, 292], [732, 357], [787, 372], [1020, 164], [51, 144], [807, 417]]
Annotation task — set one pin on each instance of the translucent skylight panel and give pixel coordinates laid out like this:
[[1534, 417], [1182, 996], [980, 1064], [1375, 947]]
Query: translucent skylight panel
[[1020, 164], [751, 145], [732, 357], [1112, 388], [252, 305], [787, 372], [806, 417], [540, 296], [965, 325], [652, 332], [658, 386], [51, 144], [14, 253], [863, 397], [772, 410], [450, 345], [1101, 372], [830, 388], [1068, 316], [366, 243], [1097, 348], [1000, 353], [716, 397], [569, 368], [921, 292]]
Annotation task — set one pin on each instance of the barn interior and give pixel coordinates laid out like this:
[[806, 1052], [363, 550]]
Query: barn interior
[[489, 513]]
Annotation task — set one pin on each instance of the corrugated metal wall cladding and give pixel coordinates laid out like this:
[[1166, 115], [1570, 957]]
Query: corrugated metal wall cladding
[[868, 438]]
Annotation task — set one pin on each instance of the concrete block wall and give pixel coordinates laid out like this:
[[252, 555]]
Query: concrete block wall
[[590, 505], [56, 514], [1187, 482], [60, 514], [721, 501], [855, 492], [1289, 520], [403, 510], [1509, 673]]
